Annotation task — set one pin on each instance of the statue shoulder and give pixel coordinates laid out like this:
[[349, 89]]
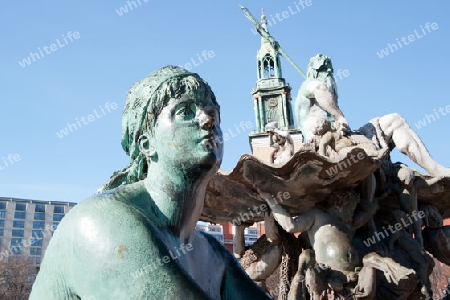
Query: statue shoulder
[[308, 87], [108, 215]]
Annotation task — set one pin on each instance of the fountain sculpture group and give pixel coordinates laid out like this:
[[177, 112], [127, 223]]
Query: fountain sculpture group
[[361, 238], [342, 221]]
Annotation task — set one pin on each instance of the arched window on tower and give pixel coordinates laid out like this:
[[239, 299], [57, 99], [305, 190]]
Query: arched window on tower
[[269, 66], [260, 73], [279, 69]]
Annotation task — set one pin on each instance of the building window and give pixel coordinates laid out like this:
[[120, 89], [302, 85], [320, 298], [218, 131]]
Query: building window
[[2, 223], [16, 249], [16, 242], [21, 207], [17, 233], [38, 224], [39, 216], [1, 232], [35, 251], [37, 234], [19, 215], [36, 242], [19, 224], [36, 260], [39, 208], [269, 67], [58, 210], [32, 271], [57, 217], [252, 231], [2, 209]]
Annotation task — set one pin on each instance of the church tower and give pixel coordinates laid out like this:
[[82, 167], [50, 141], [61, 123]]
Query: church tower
[[271, 99]]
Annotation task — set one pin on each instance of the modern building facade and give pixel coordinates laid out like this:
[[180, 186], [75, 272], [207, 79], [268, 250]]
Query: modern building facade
[[26, 226]]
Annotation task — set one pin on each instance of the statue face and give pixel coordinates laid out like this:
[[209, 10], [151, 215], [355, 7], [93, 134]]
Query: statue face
[[276, 138], [187, 133]]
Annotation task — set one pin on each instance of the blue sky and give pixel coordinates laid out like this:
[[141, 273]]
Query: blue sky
[[85, 76]]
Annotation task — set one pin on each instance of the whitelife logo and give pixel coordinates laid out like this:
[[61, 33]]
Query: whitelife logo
[[107, 108], [48, 50]]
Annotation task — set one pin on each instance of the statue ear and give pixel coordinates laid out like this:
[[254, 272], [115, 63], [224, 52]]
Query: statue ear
[[145, 146]]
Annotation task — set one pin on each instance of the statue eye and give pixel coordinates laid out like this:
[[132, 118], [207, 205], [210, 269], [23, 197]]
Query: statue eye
[[186, 111]]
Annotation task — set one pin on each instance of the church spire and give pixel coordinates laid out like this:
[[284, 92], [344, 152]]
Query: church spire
[[272, 94], [268, 57], [264, 26]]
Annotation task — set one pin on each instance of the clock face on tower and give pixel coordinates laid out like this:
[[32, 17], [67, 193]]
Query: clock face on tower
[[273, 102]]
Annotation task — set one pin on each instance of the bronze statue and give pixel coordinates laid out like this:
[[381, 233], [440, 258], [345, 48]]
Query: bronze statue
[[143, 245]]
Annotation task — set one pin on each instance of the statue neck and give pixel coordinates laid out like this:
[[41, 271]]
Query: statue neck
[[179, 198]]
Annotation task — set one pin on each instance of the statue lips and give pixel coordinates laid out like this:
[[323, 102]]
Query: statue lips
[[212, 149], [209, 141]]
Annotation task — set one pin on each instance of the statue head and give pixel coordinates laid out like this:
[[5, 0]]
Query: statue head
[[404, 174], [172, 115], [276, 136], [319, 64], [271, 127], [321, 68]]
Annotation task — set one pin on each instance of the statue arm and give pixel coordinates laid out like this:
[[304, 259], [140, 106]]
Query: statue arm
[[301, 223], [239, 241], [326, 100], [47, 284], [272, 234], [289, 141], [302, 106]]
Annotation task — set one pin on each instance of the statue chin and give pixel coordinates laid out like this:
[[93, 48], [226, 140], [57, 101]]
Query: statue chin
[[210, 161], [210, 157]]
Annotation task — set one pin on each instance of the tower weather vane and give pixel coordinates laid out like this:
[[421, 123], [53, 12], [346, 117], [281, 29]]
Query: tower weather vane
[[263, 32]]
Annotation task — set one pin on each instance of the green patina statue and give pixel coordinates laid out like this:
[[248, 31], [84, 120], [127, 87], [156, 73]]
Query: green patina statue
[[318, 113], [136, 239]]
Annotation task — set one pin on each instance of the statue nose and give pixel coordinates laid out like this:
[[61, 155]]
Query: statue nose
[[207, 121]]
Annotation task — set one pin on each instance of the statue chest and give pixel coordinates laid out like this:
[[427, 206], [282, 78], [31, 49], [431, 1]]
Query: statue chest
[[197, 261]]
